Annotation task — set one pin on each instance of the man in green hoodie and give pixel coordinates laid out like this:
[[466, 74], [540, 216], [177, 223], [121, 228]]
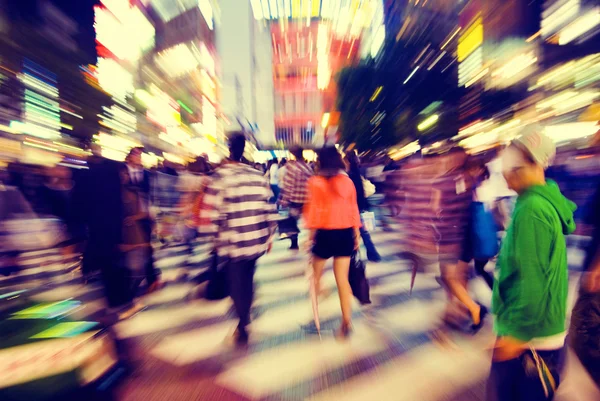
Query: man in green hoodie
[[530, 291]]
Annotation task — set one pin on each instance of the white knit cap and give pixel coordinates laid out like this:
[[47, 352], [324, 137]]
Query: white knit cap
[[537, 144]]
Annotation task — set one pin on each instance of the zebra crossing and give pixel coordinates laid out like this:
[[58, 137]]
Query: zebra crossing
[[179, 341]]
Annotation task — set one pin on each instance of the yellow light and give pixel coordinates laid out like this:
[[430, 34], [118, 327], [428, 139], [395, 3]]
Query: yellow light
[[428, 122], [532, 37], [325, 120], [376, 94], [471, 40]]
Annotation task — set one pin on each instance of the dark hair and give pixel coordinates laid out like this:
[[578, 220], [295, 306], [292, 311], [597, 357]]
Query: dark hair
[[298, 153], [330, 159], [135, 150], [237, 144], [283, 162], [353, 160]]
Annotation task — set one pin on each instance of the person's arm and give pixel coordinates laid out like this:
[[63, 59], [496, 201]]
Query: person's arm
[[591, 279], [530, 259]]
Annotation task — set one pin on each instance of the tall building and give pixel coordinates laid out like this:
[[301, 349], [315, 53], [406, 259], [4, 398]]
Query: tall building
[[244, 47], [311, 42]]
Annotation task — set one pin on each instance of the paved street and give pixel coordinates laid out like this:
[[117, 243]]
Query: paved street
[[178, 350]]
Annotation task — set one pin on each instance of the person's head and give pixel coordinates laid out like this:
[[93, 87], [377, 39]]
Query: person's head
[[297, 152], [352, 160], [330, 159], [134, 158], [524, 161], [237, 144], [283, 162], [477, 169]]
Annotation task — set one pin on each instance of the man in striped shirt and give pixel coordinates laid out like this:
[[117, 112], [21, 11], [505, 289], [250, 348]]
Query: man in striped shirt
[[294, 194], [241, 222]]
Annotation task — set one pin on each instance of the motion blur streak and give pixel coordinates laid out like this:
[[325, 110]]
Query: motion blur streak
[[176, 174]]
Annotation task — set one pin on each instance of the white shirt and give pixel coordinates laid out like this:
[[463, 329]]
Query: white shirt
[[274, 174], [136, 174]]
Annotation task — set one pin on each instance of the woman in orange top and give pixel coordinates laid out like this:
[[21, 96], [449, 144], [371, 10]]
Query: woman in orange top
[[333, 219]]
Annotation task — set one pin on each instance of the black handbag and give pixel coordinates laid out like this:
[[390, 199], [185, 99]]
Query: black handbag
[[358, 279]]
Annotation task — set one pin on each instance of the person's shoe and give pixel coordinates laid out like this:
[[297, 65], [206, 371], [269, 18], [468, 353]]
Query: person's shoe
[[343, 332], [240, 338], [482, 314], [375, 258]]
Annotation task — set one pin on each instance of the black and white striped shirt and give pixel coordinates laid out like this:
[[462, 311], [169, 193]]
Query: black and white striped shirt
[[236, 206]]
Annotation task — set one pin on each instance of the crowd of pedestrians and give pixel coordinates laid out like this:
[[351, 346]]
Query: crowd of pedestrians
[[448, 214]]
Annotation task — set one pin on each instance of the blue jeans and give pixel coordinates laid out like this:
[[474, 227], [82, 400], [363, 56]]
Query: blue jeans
[[369, 245]]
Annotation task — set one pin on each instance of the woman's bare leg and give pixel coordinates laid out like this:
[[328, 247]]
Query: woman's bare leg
[[341, 267], [455, 278], [318, 266]]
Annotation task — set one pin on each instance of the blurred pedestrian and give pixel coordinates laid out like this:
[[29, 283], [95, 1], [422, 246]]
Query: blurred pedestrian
[[333, 218], [281, 173], [585, 318], [530, 293], [273, 174], [293, 195], [140, 181], [363, 204], [57, 197], [99, 200], [456, 276], [241, 224], [135, 245]]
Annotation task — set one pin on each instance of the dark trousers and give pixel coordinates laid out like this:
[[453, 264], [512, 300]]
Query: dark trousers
[[513, 381], [240, 276], [275, 189], [151, 275], [290, 224], [116, 279], [480, 269]]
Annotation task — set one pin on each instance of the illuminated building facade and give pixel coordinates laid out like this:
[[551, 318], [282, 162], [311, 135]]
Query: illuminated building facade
[[244, 47], [158, 63], [311, 42], [43, 97], [542, 63]]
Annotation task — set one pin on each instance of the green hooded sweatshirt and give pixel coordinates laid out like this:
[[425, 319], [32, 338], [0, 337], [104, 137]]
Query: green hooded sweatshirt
[[530, 292]]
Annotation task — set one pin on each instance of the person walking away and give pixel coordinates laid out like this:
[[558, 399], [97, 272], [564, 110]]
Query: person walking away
[[99, 200], [273, 173], [241, 225], [140, 181], [363, 203], [333, 219], [530, 293], [191, 185], [585, 317], [293, 194], [473, 248], [135, 246]]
